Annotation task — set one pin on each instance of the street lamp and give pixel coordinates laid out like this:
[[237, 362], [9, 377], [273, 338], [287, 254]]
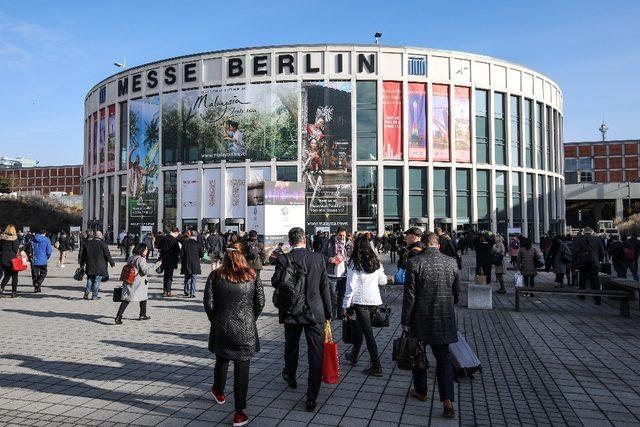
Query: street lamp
[[377, 37]]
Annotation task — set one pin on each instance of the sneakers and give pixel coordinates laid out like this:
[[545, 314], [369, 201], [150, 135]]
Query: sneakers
[[421, 397], [220, 399], [240, 419], [145, 317]]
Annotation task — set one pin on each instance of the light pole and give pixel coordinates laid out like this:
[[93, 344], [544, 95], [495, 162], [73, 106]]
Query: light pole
[[122, 64]]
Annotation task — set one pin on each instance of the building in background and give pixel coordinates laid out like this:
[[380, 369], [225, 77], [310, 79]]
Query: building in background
[[602, 181], [17, 162], [382, 138], [45, 180]]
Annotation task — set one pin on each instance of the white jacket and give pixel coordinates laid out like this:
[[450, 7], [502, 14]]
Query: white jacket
[[362, 288]]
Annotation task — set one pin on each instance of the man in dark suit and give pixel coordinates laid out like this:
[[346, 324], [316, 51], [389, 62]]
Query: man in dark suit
[[169, 256], [430, 292], [318, 300], [190, 256], [94, 258], [336, 255], [588, 253]]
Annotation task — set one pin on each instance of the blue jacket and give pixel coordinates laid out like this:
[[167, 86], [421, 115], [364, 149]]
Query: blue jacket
[[41, 250]]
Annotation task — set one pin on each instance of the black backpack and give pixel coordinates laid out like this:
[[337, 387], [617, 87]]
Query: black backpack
[[290, 295], [253, 250]]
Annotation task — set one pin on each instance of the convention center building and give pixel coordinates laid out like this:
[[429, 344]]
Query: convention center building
[[379, 137]]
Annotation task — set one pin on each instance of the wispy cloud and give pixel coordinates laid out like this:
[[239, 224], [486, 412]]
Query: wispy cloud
[[23, 43]]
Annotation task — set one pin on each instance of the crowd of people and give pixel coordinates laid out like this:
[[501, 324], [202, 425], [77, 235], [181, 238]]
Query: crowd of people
[[335, 276]]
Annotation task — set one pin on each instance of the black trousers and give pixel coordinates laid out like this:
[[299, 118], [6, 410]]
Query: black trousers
[[444, 374], [240, 380], [486, 270], [9, 274], [363, 317], [124, 304], [315, 346], [587, 274], [529, 281], [38, 273], [167, 279]]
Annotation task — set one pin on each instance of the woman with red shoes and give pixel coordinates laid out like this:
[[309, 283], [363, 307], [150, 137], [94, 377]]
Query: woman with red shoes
[[233, 300]]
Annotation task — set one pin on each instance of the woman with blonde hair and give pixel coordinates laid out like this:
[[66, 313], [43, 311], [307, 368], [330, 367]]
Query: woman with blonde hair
[[233, 300], [9, 248]]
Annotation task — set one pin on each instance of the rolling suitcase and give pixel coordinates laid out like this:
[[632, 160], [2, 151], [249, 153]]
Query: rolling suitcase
[[464, 360]]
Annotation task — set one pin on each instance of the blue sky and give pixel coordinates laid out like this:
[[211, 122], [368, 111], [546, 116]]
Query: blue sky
[[51, 53]]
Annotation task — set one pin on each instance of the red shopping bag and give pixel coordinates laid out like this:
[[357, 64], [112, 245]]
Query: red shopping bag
[[18, 264], [330, 360]]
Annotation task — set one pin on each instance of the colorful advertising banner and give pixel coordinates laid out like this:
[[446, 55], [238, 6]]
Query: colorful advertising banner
[[211, 187], [236, 196], [190, 194], [94, 143], [417, 121], [392, 120], [326, 155], [143, 161], [440, 123], [90, 147], [255, 121], [463, 124], [102, 165], [111, 139]]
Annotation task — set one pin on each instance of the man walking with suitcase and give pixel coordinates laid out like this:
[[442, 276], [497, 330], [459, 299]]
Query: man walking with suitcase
[[430, 292]]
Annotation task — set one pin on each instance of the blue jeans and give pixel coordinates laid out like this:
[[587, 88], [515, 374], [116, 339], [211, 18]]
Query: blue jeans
[[337, 289], [93, 286], [444, 374], [190, 284]]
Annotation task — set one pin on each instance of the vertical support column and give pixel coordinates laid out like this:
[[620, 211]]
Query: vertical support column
[[223, 196], [200, 185], [472, 139], [380, 156], [405, 154], [160, 212], [178, 195]]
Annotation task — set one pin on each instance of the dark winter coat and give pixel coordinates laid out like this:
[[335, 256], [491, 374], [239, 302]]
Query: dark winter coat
[[405, 253], [169, 251], [430, 291], [191, 253], [233, 309], [593, 244], [215, 246], [94, 257], [329, 251], [63, 244], [318, 296], [255, 254], [9, 246]]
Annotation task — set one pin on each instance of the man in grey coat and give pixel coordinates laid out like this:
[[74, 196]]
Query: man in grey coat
[[430, 292]]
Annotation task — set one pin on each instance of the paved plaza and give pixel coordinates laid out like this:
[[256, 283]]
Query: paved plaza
[[63, 361]]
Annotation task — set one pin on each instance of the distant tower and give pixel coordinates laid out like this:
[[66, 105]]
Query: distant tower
[[603, 130]]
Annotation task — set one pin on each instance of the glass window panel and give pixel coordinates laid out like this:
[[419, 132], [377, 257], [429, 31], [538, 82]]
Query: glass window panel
[[367, 201], [366, 121], [441, 202], [417, 192], [287, 173], [482, 126], [515, 131], [392, 192]]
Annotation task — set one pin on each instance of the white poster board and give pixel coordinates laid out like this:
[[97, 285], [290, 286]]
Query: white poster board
[[236, 193], [74, 229], [190, 191], [211, 188]]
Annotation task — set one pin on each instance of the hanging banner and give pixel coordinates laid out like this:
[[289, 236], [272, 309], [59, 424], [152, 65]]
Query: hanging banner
[[440, 123], [392, 120], [90, 147], [254, 121], [111, 139], [326, 156], [143, 161], [94, 143], [102, 164], [260, 174], [190, 194], [418, 121], [235, 193], [463, 124], [211, 188]]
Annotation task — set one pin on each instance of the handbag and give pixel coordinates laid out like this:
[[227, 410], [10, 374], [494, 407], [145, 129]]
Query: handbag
[[409, 353], [18, 264], [117, 294], [351, 333], [380, 315], [480, 279], [79, 274], [330, 361], [400, 276], [518, 279], [496, 258]]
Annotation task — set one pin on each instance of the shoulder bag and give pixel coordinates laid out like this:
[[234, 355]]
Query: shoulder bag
[[380, 315]]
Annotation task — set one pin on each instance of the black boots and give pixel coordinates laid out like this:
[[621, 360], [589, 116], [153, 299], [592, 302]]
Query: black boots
[[352, 357], [375, 369]]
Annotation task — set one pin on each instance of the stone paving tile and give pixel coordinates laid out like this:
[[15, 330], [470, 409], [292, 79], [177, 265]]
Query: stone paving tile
[[560, 361]]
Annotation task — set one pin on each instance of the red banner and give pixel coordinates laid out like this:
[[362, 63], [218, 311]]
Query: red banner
[[111, 139], [417, 121], [94, 143], [440, 123], [90, 147], [102, 143], [463, 124], [392, 120]]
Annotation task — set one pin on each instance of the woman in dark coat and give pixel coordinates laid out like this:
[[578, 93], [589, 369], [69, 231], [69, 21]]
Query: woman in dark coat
[[192, 251], [233, 300], [9, 247]]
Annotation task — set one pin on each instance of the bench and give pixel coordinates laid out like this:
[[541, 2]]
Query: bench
[[616, 283], [623, 296]]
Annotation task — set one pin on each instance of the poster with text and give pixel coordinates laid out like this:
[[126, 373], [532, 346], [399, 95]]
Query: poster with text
[[255, 121], [102, 165], [463, 124], [143, 162], [90, 147], [235, 193], [392, 120], [440, 123], [94, 144], [111, 139], [190, 194], [211, 188], [326, 154], [417, 121]]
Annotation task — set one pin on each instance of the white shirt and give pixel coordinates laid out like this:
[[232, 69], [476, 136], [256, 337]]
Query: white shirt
[[362, 288]]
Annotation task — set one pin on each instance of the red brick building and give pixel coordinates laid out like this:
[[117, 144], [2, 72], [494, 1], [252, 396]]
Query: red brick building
[[43, 180], [601, 162]]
